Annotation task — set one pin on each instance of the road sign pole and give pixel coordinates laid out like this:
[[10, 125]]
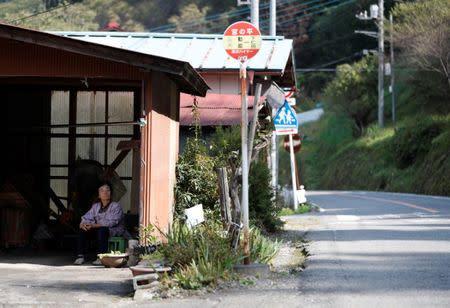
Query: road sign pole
[[242, 41], [294, 185], [244, 142]]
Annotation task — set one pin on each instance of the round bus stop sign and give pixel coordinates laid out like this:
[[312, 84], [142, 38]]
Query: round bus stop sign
[[242, 40]]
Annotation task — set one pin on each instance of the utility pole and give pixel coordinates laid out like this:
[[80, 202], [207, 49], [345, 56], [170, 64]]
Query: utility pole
[[380, 63], [391, 48], [273, 17], [274, 139], [377, 13], [254, 14]]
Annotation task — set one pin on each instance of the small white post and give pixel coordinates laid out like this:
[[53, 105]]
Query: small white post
[[294, 181]]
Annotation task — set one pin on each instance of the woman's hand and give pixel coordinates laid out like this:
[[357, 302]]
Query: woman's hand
[[85, 227]]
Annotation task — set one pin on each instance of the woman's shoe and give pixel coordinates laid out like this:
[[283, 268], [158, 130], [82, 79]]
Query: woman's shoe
[[79, 260], [97, 262]]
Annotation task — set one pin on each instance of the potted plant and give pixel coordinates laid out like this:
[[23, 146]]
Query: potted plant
[[151, 263], [113, 259]]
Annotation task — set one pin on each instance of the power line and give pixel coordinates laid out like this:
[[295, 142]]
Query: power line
[[328, 42], [306, 9], [233, 13], [297, 11], [339, 60], [42, 12], [317, 12]]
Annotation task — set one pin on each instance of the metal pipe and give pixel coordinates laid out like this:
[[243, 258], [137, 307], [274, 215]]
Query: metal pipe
[[294, 180], [253, 124], [273, 17], [381, 64], [392, 68], [254, 14], [95, 124], [244, 169]]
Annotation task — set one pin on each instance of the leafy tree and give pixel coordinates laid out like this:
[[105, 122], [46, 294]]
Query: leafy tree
[[353, 92], [331, 38], [190, 17], [79, 16], [422, 33]]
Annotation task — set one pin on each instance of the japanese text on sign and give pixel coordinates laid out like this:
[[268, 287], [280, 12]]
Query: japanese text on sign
[[242, 40]]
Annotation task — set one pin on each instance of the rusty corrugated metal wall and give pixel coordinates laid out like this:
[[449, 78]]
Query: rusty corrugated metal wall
[[158, 160]]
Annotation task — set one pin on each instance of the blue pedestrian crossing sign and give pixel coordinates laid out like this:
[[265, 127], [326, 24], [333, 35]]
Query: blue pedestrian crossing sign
[[285, 120]]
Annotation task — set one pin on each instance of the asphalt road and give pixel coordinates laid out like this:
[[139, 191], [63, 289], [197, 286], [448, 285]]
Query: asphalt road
[[379, 250]]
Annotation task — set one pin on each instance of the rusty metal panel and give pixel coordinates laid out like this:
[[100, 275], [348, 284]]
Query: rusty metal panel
[[23, 59]]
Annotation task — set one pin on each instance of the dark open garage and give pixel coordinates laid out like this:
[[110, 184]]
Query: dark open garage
[[75, 112]]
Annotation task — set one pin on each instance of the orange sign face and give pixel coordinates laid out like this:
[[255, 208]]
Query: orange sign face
[[242, 40]]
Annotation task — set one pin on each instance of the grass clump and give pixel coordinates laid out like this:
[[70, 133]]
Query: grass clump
[[302, 209], [202, 256]]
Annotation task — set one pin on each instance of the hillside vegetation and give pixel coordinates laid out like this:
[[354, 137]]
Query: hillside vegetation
[[347, 150]]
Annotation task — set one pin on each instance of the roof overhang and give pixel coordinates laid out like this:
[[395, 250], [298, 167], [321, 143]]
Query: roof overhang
[[188, 80], [204, 52]]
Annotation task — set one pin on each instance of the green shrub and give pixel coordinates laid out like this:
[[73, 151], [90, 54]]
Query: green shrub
[[432, 175], [262, 206], [412, 142], [196, 178], [223, 142]]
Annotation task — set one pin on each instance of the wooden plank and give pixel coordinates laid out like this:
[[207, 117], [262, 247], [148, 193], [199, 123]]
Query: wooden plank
[[129, 145]]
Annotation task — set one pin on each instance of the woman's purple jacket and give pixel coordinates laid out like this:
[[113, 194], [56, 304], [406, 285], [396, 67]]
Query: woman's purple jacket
[[113, 218]]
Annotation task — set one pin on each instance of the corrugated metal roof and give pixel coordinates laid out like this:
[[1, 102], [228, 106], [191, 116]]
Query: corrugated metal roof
[[214, 109], [181, 72], [202, 51]]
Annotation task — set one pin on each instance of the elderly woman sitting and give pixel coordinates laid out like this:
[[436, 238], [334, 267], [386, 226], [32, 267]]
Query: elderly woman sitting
[[105, 219]]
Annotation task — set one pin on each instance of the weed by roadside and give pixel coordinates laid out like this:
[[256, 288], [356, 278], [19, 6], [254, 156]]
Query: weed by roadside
[[202, 256], [302, 209]]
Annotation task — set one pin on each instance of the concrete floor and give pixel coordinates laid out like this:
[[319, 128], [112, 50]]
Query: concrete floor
[[50, 279]]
